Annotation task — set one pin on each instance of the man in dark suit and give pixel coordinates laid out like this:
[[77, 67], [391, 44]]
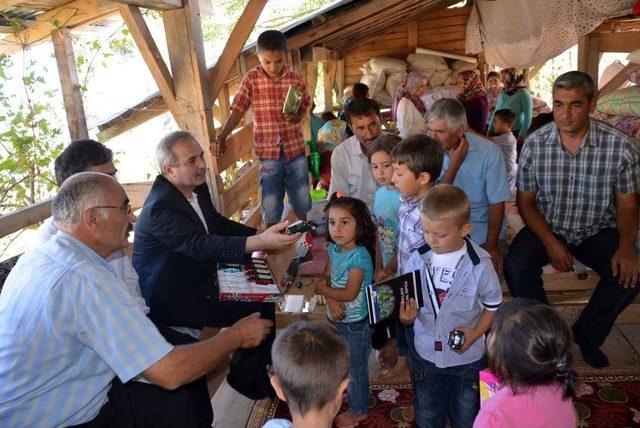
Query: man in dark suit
[[179, 239]]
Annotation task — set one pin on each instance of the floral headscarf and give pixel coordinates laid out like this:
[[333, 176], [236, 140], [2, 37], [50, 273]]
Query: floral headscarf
[[407, 90], [512, 82], [472, 85]]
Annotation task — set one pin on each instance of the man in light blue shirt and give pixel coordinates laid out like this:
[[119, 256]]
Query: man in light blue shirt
[[68, 327], [475, 165]]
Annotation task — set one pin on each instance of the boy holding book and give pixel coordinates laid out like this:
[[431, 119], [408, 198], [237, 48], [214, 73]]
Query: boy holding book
[[462, 291], [277, 132], [311, 373], [417, 162]]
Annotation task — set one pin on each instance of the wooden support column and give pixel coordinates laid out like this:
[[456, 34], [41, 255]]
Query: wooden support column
[[306, 120], [329, 71], [151, 54], [589, 55], [224, 103], [482, 66], [412, 35], [186, 53], [73, 106]]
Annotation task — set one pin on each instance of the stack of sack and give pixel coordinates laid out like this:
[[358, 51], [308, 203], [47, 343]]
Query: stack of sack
[[384, 75]]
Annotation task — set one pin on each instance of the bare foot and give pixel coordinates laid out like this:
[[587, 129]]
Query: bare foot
[[401, 369], [349, 420], [388, 355]]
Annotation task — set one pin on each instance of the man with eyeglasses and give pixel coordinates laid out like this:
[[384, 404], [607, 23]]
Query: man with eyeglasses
[[92, 156], [72, 337]]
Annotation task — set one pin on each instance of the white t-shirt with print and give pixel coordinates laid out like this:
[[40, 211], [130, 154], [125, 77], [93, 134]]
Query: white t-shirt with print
[[443, 269]]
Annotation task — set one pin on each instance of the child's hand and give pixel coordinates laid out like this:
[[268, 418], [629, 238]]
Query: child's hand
[[219, 146], [408, 312], [336, 309], [320, 285], [380, 275], [294, 118], [470, 337]]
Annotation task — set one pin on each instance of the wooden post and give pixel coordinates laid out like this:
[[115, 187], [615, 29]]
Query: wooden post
[[589, 55], [224, 103], [340, 82], [186, 53], [412, 35], [73, 106], [329, 71]]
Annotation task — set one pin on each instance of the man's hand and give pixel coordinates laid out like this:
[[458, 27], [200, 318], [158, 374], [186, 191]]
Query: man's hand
[[625, 266], [219, 146], [294, 118], [252, 330], [336, 309], [470, 337], [458, 153], [274, 237], [559, 256], [496, 257], [408, 312]]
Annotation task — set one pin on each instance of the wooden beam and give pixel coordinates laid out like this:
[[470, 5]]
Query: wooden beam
[[589, 55], [69, 83], [153, 4], [340, 81], [241, 189], [323, 54], [76, 14], [412, 34], [254, 219], [329, 72], [183, 31], [239, 146], [6, 4], [619, 42], [17, 220], [139, 30], [224, 103], [235, 43], [137, 193], [616, 81]]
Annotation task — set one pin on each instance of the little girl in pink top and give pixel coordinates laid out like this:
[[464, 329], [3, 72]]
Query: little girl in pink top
[[529, 350]]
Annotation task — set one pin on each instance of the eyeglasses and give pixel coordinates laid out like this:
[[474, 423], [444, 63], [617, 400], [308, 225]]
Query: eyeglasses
[[125, 209]]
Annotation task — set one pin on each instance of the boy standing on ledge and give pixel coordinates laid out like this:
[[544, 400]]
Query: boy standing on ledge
[[278, 141]]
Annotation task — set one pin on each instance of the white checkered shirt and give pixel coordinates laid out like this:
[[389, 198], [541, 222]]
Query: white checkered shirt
[[576, 192], [410, 235]]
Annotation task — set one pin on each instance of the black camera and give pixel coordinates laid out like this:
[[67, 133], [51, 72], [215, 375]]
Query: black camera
[[301, 226], [456, 339]]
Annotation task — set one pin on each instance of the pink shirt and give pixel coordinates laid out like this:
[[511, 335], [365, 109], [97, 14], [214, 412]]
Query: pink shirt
[[539, 407]]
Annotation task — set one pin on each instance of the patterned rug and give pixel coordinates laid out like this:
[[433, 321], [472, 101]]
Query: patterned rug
[[605, 398]]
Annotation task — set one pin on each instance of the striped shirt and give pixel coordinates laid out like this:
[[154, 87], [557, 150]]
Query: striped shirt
[[68, 326], [410, 234], [266, 95], [576, 192], [475, 288]]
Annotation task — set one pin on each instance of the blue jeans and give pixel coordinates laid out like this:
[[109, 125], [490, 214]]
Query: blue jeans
[[452, 391], [358, 337], [276, 176]]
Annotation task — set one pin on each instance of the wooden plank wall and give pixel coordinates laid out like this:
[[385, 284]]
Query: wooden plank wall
[[443, 30]]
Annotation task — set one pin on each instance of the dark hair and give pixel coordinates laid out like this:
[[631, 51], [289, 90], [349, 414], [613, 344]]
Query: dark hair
[[360, 107], [531, 346], [79, 156], [505, 115], [539, 121], [271, 40], [493, 74], [366, 231], [359, 90], [575, 79], [421, 154], [327, 116], [310, 360], [384, 143]]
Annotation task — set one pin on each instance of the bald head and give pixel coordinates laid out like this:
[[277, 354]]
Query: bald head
[[78, 193]]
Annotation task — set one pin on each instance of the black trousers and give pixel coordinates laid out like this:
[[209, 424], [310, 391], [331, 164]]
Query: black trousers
[[523, 273]]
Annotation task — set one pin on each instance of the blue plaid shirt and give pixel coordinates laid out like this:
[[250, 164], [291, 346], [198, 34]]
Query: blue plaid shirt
[[410, 234], [576, 192], [68, 326]]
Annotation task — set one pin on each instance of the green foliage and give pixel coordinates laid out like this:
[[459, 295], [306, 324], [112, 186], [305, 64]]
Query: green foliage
[[29, 138]]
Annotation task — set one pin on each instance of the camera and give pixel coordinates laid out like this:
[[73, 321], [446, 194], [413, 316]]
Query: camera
[[456, 339], [301, 226]]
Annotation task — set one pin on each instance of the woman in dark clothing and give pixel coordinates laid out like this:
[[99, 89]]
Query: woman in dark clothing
[[474, 98]]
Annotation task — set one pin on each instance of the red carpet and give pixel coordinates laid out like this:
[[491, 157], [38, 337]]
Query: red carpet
[[606, 398]]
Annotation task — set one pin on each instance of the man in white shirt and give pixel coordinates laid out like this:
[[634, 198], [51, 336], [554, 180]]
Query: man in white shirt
[[350, 169]]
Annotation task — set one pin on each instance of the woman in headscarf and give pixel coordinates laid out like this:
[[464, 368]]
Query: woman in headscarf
[[407, 109], [473, 96], [516, 98]]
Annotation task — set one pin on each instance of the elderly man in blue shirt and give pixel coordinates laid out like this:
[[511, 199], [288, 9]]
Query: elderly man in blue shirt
[[475, 165], [72, 336]]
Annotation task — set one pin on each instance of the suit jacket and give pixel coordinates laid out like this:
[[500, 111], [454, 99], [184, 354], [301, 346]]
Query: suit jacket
[[175, 257]]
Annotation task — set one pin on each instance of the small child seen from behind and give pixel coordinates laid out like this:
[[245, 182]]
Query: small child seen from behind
[[310, 373], [529, 350], [503, 120], [462, 292], [352, 235]]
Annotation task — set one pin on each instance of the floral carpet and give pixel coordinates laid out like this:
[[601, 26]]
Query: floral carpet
[[605, 398]]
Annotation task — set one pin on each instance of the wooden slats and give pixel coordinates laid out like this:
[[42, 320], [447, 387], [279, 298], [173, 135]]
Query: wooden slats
[[616, 81], [241, 189], [239, 146], [137, 193], [153, 4], [17, 220]]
